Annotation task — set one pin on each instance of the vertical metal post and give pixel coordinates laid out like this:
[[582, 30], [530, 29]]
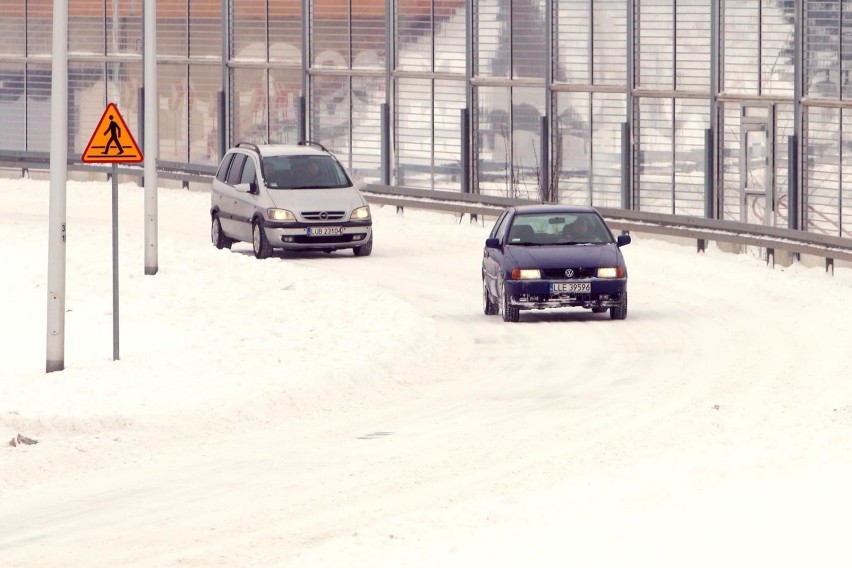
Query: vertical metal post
[[712, 200], [302, 119], [385, 142], [222, 124], [115, 262], [792, 182], [544, 176], [303, 126], [390, 65], [627, 201], [152, 137], [798, 120], [465, 150], [56, 248], [626, 177], [709, 189], [471, 136]]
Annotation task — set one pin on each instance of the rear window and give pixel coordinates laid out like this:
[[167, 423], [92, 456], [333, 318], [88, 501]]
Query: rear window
[[304, 172]]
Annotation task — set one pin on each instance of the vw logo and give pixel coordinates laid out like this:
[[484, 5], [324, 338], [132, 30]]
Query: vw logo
[[569, 273], [323, 215]]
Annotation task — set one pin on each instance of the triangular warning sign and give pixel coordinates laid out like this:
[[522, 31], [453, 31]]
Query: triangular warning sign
[[112, 142]]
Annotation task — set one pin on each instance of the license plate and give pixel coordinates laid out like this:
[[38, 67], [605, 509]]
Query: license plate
[[571, 287], [324, 231]]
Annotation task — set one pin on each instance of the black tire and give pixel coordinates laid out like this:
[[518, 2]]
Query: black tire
[[219, 239], [620, 312], [489, 306], [259, 242], [510, 313], [365, 249]]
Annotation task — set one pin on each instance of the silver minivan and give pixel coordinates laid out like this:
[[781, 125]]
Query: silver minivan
[[293, 197]]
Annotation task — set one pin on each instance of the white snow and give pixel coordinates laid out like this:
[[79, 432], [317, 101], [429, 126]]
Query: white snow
[[328, 410]]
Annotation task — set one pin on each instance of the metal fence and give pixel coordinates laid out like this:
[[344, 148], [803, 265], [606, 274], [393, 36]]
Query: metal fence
[[738, 110]]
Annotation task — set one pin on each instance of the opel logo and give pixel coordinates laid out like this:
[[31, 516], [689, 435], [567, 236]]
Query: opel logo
[[569, 273], [323, 215]]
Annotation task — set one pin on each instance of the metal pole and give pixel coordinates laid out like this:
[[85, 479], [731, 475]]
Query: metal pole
[[151, 136], [465, 151], [385, 143], [115, 262], [58, 179]]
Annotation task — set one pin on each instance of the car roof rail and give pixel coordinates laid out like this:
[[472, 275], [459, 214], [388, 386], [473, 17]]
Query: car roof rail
[[312, 143], [248, 145]]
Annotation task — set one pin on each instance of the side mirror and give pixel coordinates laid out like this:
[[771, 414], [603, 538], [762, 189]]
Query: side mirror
[[246, 187], [623, 240], [492, 243]]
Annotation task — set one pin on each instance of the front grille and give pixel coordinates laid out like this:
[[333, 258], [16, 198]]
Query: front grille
[[318, 215], [559, 273]]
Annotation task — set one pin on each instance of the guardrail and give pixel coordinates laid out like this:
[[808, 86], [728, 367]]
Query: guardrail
[[703, 230]]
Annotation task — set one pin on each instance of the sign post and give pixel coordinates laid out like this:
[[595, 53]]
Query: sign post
[[112, 143]]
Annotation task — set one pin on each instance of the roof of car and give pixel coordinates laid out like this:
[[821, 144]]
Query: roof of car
[[554, 208], [282, 149]]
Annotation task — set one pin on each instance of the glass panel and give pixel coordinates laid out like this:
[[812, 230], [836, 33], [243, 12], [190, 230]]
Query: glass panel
[[365, 141], [248, 30], [450, 46], [249, 104], [86, 27], [655, 44], [205, 30], [846, 175], [13, 107], [205, 84], [330, 119], [173, 29], [783, 130], [493, 38], [755, 213], [494, 158], [38, 112], [693, 45], [414, 35], [573, 37], [740, 45], [368, 35], [12, 28], [285, 32], [846, 51], [691, 120], [528, 50], [655, 167], [449, 100], [608, 111], [88, 85], [330, 33], [172, 81], [822, 170], [755, 160], [414, 132], [572, 151], [283, 110], [822, 47], [777, 48], [609, 56], [729, 183]]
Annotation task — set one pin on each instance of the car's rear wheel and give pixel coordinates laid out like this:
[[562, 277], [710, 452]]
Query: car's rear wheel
[[619, 312], [510, 313], [489, 306], [365, 249], [259, 242], [219, 239]]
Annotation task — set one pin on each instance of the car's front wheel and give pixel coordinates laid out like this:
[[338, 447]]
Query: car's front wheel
[[489, 306], [259, 242], [510, 313], [619, 312], [365, 249], [219, 239]]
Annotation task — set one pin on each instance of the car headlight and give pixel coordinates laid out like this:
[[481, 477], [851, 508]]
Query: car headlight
[[611, 272], [526, 274], [280, 215], [362, 213]]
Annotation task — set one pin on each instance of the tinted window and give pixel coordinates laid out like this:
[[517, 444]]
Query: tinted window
[[248, 172], [222, 172], [497, 226], [235, 174]]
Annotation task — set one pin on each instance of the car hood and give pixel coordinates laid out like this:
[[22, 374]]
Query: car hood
[[561, 256], [336, 199]]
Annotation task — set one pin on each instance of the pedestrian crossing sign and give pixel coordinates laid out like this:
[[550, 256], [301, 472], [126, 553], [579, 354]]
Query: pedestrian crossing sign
[[112, 142]]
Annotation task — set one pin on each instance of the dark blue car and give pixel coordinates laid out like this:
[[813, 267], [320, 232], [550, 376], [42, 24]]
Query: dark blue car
[[553, 256]]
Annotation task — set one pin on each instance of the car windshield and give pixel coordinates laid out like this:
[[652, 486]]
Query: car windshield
[[542, 229], [303, 172]]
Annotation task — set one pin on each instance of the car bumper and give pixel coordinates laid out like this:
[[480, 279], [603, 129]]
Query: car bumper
[[294, 236], [536, 294]]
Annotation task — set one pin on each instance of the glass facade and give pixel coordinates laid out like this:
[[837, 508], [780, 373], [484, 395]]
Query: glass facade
[[687, 107]]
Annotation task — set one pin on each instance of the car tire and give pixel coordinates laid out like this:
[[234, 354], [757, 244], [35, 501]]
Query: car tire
[[510, 313], [219, 239], [489, 306], [365, 249], [619, 312], [259, 242]]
